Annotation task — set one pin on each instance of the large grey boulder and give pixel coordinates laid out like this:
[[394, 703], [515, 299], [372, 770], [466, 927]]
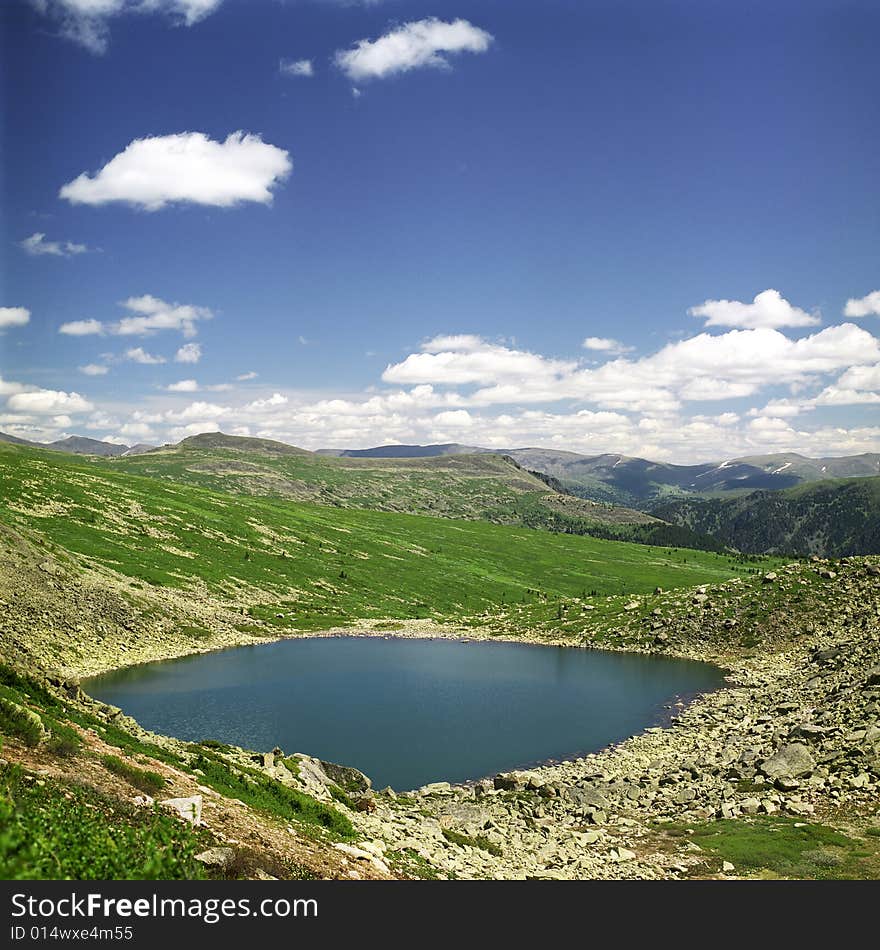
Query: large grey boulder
[[790, 761], [346, 777]]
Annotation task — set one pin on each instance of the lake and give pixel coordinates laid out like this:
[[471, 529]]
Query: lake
[[408, 711]]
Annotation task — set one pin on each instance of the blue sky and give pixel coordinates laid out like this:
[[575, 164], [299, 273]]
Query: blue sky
[[427, 219]]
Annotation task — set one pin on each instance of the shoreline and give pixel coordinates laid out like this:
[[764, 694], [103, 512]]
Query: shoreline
[[663, 720]]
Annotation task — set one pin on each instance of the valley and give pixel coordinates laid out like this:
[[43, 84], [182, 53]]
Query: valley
[[107, 563]]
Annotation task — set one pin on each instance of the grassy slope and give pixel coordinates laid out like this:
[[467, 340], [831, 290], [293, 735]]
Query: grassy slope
[[482, 487], [323, 565], [834, 518], [485, 487]]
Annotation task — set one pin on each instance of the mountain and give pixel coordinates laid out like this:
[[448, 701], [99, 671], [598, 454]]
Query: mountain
[[79, 445], [14, 440], [406, 451], [74, 444], [482, 487], [833, 518], [138, 449], [641, 483], [236, 443]]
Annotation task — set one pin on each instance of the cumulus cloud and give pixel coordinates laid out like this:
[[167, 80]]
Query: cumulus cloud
[[601, 344], [94, 369], [184, 386], [296, 67], [48, 402], [244, 377], [866, 306], [415, 45], [8, 387], [769, 310], [188, 353], [82, 328], [139, 355], [153, 172], [14, 316], [705, 367], [86, 22], [151, 314], [37, 244]]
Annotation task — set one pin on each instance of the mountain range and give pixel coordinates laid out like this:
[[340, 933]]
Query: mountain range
[[779, 503]]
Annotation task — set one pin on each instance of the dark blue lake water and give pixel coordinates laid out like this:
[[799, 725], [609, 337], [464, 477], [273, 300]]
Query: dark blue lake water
[[407, 712]]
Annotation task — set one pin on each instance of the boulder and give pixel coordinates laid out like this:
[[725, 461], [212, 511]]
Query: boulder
[[684, 795], [216, 857], [789, 762], [510, 781], [188, 808], [346, 777]]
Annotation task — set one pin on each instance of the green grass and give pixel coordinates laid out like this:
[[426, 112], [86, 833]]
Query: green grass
[[319, 566], [468, 841], [142, 779], [271, 797], [20, 722], [784, 847], [50, 833]]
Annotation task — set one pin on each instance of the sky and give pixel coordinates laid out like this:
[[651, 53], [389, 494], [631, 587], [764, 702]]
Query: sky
[[646, 227]]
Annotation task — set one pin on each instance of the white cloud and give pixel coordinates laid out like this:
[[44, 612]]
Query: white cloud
[[137, 430], [184, 386], [296, 67], [199, 411], [14, 316], [769, 310], [866, 306], [82, 328], [603, 344], [188, 353], [152, 314], [140, 355], [8, 387], [156, 171], [455, 418], [37, 244], [735, 364], [861, 377], [94, 369], [86, 22], [276, 399], [48, 402], [244, 377], [418, 44]]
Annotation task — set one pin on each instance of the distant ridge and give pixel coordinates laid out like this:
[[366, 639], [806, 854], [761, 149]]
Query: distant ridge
[[80, 445], [77, 445], [219, 440], [406, 451], [641, 483]]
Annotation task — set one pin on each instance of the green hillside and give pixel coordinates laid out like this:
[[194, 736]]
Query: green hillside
[[304, 566], [833, 518], [482, 487]]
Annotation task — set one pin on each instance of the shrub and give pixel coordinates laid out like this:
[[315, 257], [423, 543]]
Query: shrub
[[146, 781], [21, 723], [50, 832]]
